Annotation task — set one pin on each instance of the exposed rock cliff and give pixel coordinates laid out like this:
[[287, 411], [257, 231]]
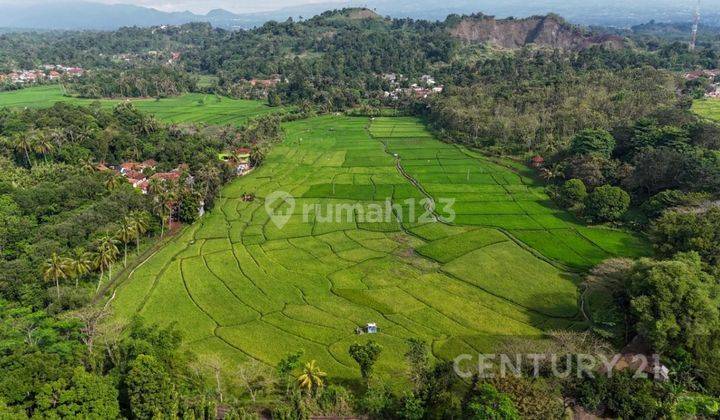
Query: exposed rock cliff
[[548, 31]]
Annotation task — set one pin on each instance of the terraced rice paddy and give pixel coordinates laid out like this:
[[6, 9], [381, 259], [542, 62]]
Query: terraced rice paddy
[[708, 108], [189, 108], [241, 287]]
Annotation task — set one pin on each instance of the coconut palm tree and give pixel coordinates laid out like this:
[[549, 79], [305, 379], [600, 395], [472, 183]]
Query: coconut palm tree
[[23, 144], [80, 263], [162, 208], [56, 268], [208, 176], [125, 234], [106, 256], [140, 224], [58, 136], [88, 165], [163, 202], [41, 143], [312, 377], [113, 182]]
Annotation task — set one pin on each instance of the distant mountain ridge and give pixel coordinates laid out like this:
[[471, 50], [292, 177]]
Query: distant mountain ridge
[[87, 15], [84, 14]]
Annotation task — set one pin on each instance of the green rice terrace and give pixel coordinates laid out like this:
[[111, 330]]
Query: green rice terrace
[[241, 287], [708, 108], [188, 108]]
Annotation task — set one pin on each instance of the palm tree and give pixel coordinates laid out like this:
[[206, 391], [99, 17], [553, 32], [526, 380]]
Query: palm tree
[[106, 255], [312, 377], [88, 165], [113, 182], [125, 235], [162, 203], [23, 144], [42, 144], [208, 176], [58, 136], [140, 225], [162, 209], [80, 264], [56, 268]]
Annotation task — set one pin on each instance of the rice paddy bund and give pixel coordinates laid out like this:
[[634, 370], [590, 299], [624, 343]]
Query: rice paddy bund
[[240, 287], [188, 108]]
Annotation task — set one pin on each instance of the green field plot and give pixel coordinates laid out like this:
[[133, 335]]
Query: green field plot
[[241, 286], [708, 108], [188, 108]]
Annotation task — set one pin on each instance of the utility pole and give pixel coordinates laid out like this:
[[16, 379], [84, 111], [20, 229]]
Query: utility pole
[[696, 22]]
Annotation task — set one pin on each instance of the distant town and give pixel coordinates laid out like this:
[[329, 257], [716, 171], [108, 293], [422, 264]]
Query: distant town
[[427, 86], [48, 72]]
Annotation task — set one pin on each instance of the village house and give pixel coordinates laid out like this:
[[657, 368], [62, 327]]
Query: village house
[[266, 83], [47, 71], [137, 167], [75, 71], [136, 173], [174, 58], [537, 162], [239, 160], [714, 91], [710, 74], [427, 80]]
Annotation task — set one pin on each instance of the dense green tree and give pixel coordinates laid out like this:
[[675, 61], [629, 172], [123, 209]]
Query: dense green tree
[[150, 389], [607, 204], [622, 395], [365, 355], [411, 407], [572, 193], [593, 142], [485, 402], [657, 204], [682, 231], [675, 302], [83, 395]]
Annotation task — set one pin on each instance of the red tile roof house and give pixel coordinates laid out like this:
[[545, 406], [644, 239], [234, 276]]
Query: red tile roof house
[[139, 167], [537, 161], [144, 186], [75, 71], [150, 163], [129, 166], [167, 176]]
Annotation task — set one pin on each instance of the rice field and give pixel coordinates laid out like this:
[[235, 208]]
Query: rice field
[[708, 108], [242, 286], [188, 108]]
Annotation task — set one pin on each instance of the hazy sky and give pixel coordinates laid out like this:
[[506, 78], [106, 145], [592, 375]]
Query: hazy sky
[[240, 6], [203, 6]]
